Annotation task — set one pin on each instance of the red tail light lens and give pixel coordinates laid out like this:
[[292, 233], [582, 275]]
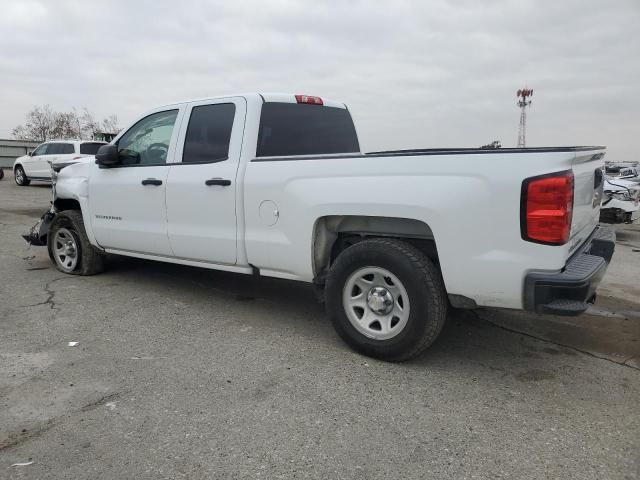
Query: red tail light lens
[[309, 99], [547, 208]]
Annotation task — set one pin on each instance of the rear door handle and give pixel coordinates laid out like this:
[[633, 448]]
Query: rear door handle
[[151, 181], [218, 181]]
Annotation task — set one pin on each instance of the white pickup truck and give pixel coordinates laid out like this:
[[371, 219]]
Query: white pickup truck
[[276, 185]]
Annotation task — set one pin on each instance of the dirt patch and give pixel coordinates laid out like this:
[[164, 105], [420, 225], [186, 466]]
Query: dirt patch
[[100, 401], [535, 376], [551, 351], [16, 438], [611, 331], [27, 212]]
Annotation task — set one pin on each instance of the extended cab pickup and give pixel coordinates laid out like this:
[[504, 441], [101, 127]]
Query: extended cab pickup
[[276, 185]]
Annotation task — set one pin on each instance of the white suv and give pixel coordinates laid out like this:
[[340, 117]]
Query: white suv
[[35, 166]]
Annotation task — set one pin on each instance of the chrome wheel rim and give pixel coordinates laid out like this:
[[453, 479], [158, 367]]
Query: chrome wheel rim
[[19, 176], [65, 250], [376, 303]]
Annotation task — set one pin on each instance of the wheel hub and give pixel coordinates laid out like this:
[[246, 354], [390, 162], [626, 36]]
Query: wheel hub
[[376, 302], [380, 300], [69, 248], [65, 250]]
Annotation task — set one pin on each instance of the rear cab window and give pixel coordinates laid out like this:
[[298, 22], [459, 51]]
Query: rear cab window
[[90, 148], [209, 133], [288, 129]]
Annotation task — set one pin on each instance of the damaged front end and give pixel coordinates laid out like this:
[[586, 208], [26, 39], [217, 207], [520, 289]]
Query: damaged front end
[[37, 235]]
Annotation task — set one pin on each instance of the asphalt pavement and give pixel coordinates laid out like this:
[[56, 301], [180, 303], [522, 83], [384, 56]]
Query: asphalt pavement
[[186, 373]]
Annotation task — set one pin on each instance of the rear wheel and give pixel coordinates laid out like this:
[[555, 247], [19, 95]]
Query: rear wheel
[[386, 299], [21, 177], [69, 247]]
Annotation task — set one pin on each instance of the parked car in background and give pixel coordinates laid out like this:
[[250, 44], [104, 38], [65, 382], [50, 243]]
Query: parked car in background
[[629, 173], [620, 202], [37, 164], [623, 171]]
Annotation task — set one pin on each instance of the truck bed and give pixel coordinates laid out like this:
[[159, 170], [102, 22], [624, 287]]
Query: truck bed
[[436, 151]]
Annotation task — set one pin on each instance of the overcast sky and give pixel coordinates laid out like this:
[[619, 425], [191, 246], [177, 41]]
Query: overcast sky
[[431, 73]]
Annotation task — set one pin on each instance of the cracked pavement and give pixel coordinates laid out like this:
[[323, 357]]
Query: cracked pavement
[[181, 372]]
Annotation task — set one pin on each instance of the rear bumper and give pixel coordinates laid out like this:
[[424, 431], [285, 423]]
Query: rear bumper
[[572, 290]]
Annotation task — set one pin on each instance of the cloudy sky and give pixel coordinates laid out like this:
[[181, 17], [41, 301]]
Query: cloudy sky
[[434, 73]]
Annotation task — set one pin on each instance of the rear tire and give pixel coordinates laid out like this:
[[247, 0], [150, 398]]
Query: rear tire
[[20, 177], [386, 299], [70, 249]]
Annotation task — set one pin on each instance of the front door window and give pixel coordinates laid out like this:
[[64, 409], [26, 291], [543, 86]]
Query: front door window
[[147, 142]]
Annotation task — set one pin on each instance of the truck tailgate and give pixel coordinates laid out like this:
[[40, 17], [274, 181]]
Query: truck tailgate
[[588, 172]]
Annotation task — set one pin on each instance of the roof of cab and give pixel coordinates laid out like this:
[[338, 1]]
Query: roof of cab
[[265, 96], [291, 98]]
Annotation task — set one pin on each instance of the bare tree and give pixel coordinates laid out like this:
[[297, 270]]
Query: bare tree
[[492, 146], [38, 126], [21, 133], [110, 124], [43, 123], [89, 124], [77, 124], [64, 125]]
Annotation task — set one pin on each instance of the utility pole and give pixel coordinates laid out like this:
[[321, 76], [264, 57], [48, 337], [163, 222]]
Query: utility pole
[[523, 102]]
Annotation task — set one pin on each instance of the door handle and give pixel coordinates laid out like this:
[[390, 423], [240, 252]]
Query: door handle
[[151, 181], [218, 181]]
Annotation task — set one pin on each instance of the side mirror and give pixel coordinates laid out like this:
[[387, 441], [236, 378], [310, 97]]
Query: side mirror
[[107, 156], [30, 153]]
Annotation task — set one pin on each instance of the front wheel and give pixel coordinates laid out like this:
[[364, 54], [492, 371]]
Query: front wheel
[[21, 177], [70, 248], [386, 299]]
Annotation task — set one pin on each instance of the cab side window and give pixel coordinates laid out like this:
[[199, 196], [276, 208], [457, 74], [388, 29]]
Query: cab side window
[[147, 142], [209, 133], [66, 148]]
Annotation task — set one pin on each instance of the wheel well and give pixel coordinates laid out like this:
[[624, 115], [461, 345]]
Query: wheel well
[[17, 165], [66, 204], [335, 233]]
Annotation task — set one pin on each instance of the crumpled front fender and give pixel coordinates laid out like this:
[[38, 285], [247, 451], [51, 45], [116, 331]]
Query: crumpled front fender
[[38, 234]]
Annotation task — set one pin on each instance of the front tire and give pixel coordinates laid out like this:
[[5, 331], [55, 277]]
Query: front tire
[[386, 299], [69, 247], [20, 177]]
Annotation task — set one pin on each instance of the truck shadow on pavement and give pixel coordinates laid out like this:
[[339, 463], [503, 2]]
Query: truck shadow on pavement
[[507, 345]]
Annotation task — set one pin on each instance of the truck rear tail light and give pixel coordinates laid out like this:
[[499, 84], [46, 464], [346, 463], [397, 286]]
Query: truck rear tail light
[[546, 208], [309, 99]]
